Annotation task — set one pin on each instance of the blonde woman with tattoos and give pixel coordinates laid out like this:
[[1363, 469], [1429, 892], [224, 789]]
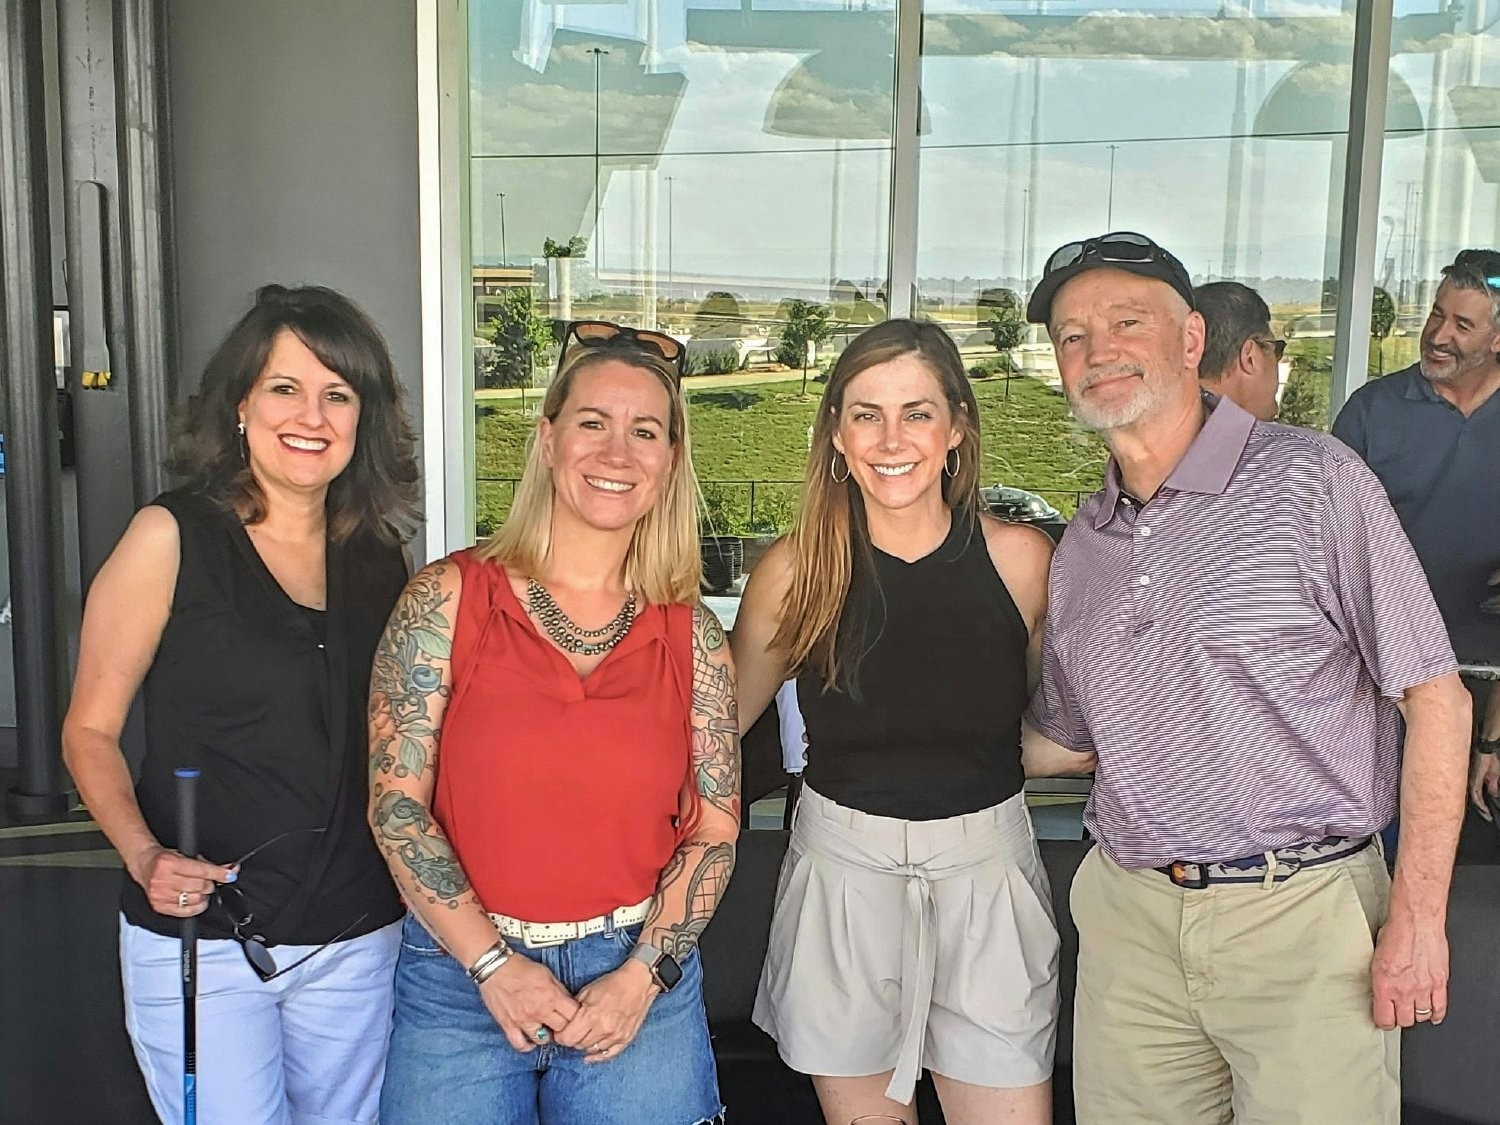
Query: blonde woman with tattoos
[[555, 776]]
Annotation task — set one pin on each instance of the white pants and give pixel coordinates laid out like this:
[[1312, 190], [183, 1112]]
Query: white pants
[[307, 1048]]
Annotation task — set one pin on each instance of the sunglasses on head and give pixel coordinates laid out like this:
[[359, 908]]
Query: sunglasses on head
[[1121, 246], [603, 334], [1487, 262], [231, 900]]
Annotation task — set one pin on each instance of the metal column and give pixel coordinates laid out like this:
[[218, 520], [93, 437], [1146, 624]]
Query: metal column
[[34, 525], [145, 196]]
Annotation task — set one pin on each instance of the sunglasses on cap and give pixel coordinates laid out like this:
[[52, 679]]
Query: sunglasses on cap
[[1487, 262], [603, 334], [1121, 246]]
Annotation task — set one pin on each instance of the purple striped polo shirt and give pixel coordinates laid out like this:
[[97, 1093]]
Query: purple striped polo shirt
[[1233, 648]]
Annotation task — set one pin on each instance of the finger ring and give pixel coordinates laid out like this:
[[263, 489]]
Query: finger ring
[[598, 1048], [181, 899], [542, 1034], [1423, 1011]]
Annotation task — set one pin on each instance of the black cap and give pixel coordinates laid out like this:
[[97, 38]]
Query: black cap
[[1122, 250]]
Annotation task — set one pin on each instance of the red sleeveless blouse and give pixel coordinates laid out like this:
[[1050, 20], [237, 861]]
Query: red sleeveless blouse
[[563, 797]]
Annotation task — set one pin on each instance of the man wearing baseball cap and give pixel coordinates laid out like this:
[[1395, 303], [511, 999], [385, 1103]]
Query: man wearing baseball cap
[[1236, 620]]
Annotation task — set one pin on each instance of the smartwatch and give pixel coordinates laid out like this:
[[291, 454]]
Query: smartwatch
[[665, 970]]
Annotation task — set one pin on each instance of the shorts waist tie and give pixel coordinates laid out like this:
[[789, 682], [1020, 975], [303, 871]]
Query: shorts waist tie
[[846, 844], [918, 971]]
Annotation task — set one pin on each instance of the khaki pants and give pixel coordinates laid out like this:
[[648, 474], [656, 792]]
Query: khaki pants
[[1231, 1003]]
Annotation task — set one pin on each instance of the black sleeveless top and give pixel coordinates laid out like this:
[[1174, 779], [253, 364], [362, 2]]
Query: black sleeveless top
[[268, 698], [936, 731]]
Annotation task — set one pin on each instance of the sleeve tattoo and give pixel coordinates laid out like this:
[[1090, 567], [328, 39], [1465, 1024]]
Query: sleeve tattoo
[[716, 723], [407, 676], [694, 879]]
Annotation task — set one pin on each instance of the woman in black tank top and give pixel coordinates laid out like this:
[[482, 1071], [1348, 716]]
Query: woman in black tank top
[[248, 604], [913, 924]]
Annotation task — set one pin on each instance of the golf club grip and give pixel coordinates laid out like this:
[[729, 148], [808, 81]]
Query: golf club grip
[[187, 844]]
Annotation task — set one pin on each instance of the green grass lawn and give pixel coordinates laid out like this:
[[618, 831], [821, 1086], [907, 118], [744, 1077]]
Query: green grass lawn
[[759, 433]]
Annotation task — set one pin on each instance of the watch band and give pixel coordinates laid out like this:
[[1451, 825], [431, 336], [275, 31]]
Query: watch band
[[1484, 745], [665, 970]]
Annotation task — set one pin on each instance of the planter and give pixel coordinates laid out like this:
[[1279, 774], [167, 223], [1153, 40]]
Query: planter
[[723, 561], [560, 287]]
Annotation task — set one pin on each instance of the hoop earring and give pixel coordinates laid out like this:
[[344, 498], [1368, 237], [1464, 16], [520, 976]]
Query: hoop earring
[[833, 468], [958, 462]]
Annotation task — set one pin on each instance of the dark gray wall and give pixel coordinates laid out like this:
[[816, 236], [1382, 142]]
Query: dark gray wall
[[294, 153]]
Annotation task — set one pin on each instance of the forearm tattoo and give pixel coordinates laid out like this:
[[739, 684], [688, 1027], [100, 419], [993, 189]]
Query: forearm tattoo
[[704, 887], [716, 725], [406, 830]]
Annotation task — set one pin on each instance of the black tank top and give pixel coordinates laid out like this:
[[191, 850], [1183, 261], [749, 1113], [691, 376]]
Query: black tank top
[[267, 698], [936, 731]]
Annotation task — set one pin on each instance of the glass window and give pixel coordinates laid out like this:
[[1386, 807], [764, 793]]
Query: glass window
[[1219, 131], [1438, 189], [714, 170]]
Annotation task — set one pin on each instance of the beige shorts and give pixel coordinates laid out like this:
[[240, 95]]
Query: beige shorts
[[902, 945]]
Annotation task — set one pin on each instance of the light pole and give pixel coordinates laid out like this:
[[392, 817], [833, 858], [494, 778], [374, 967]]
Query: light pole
[[504, 255], [1025, 244], [598, 233], [670, 276], [1109, 214]]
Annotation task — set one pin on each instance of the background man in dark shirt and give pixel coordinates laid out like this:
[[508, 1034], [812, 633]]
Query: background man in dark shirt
[[1241, 357], [1431, 434]]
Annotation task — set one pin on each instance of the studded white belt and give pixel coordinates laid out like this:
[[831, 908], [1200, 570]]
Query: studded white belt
[[535, 935]]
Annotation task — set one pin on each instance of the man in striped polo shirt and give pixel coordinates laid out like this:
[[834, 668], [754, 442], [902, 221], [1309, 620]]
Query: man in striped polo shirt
[[1237, 626]]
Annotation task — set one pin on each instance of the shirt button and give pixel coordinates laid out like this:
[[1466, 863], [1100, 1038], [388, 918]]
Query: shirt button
[[1145, 533], [1144, 580], [322, 645]]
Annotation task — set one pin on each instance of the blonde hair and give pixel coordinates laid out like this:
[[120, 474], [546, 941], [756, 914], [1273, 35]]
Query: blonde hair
[[832, 557], [663, 562]]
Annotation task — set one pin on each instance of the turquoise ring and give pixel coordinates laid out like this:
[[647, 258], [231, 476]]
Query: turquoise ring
[[542, 1034]]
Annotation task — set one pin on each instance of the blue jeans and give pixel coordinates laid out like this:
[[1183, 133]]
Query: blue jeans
[[450, 1062]]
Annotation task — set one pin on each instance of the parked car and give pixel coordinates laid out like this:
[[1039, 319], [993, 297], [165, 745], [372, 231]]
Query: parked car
[[1016, 505]]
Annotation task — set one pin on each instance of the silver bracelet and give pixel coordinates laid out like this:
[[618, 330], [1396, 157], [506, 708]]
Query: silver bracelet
[[488, 963]]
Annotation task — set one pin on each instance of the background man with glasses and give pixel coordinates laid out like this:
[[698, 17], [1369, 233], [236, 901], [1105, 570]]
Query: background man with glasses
[[1241, 357], [1237, 661], [1431, 434]]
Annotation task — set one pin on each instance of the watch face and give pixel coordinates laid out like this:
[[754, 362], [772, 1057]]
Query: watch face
[[668, 972]]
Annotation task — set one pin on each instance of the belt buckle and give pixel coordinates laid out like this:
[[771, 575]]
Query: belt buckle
[[542, 935], [1189, 876]]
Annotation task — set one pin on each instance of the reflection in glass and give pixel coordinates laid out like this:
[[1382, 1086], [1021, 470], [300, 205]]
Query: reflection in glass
[[717, 172]]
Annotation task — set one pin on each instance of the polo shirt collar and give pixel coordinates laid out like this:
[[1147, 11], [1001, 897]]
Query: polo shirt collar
[[1419, 388], [1205, 468]]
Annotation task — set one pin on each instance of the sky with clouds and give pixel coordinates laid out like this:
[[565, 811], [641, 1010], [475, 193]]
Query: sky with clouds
[[740, 141]]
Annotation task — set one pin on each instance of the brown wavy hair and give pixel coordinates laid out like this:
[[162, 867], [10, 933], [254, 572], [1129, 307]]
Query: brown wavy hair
[[376, 494], [833, 561]]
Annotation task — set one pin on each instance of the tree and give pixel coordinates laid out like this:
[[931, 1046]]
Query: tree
[[1007, 329], [520, 333], [1382, 322], [806, 323], [1300, 404]]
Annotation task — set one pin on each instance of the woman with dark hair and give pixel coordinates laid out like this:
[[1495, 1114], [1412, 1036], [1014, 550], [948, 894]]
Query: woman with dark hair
[[913, 926], [555, 776], [248, 603]]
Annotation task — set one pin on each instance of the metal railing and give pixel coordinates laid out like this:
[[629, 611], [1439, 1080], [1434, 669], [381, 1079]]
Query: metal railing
[[742, 506]]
